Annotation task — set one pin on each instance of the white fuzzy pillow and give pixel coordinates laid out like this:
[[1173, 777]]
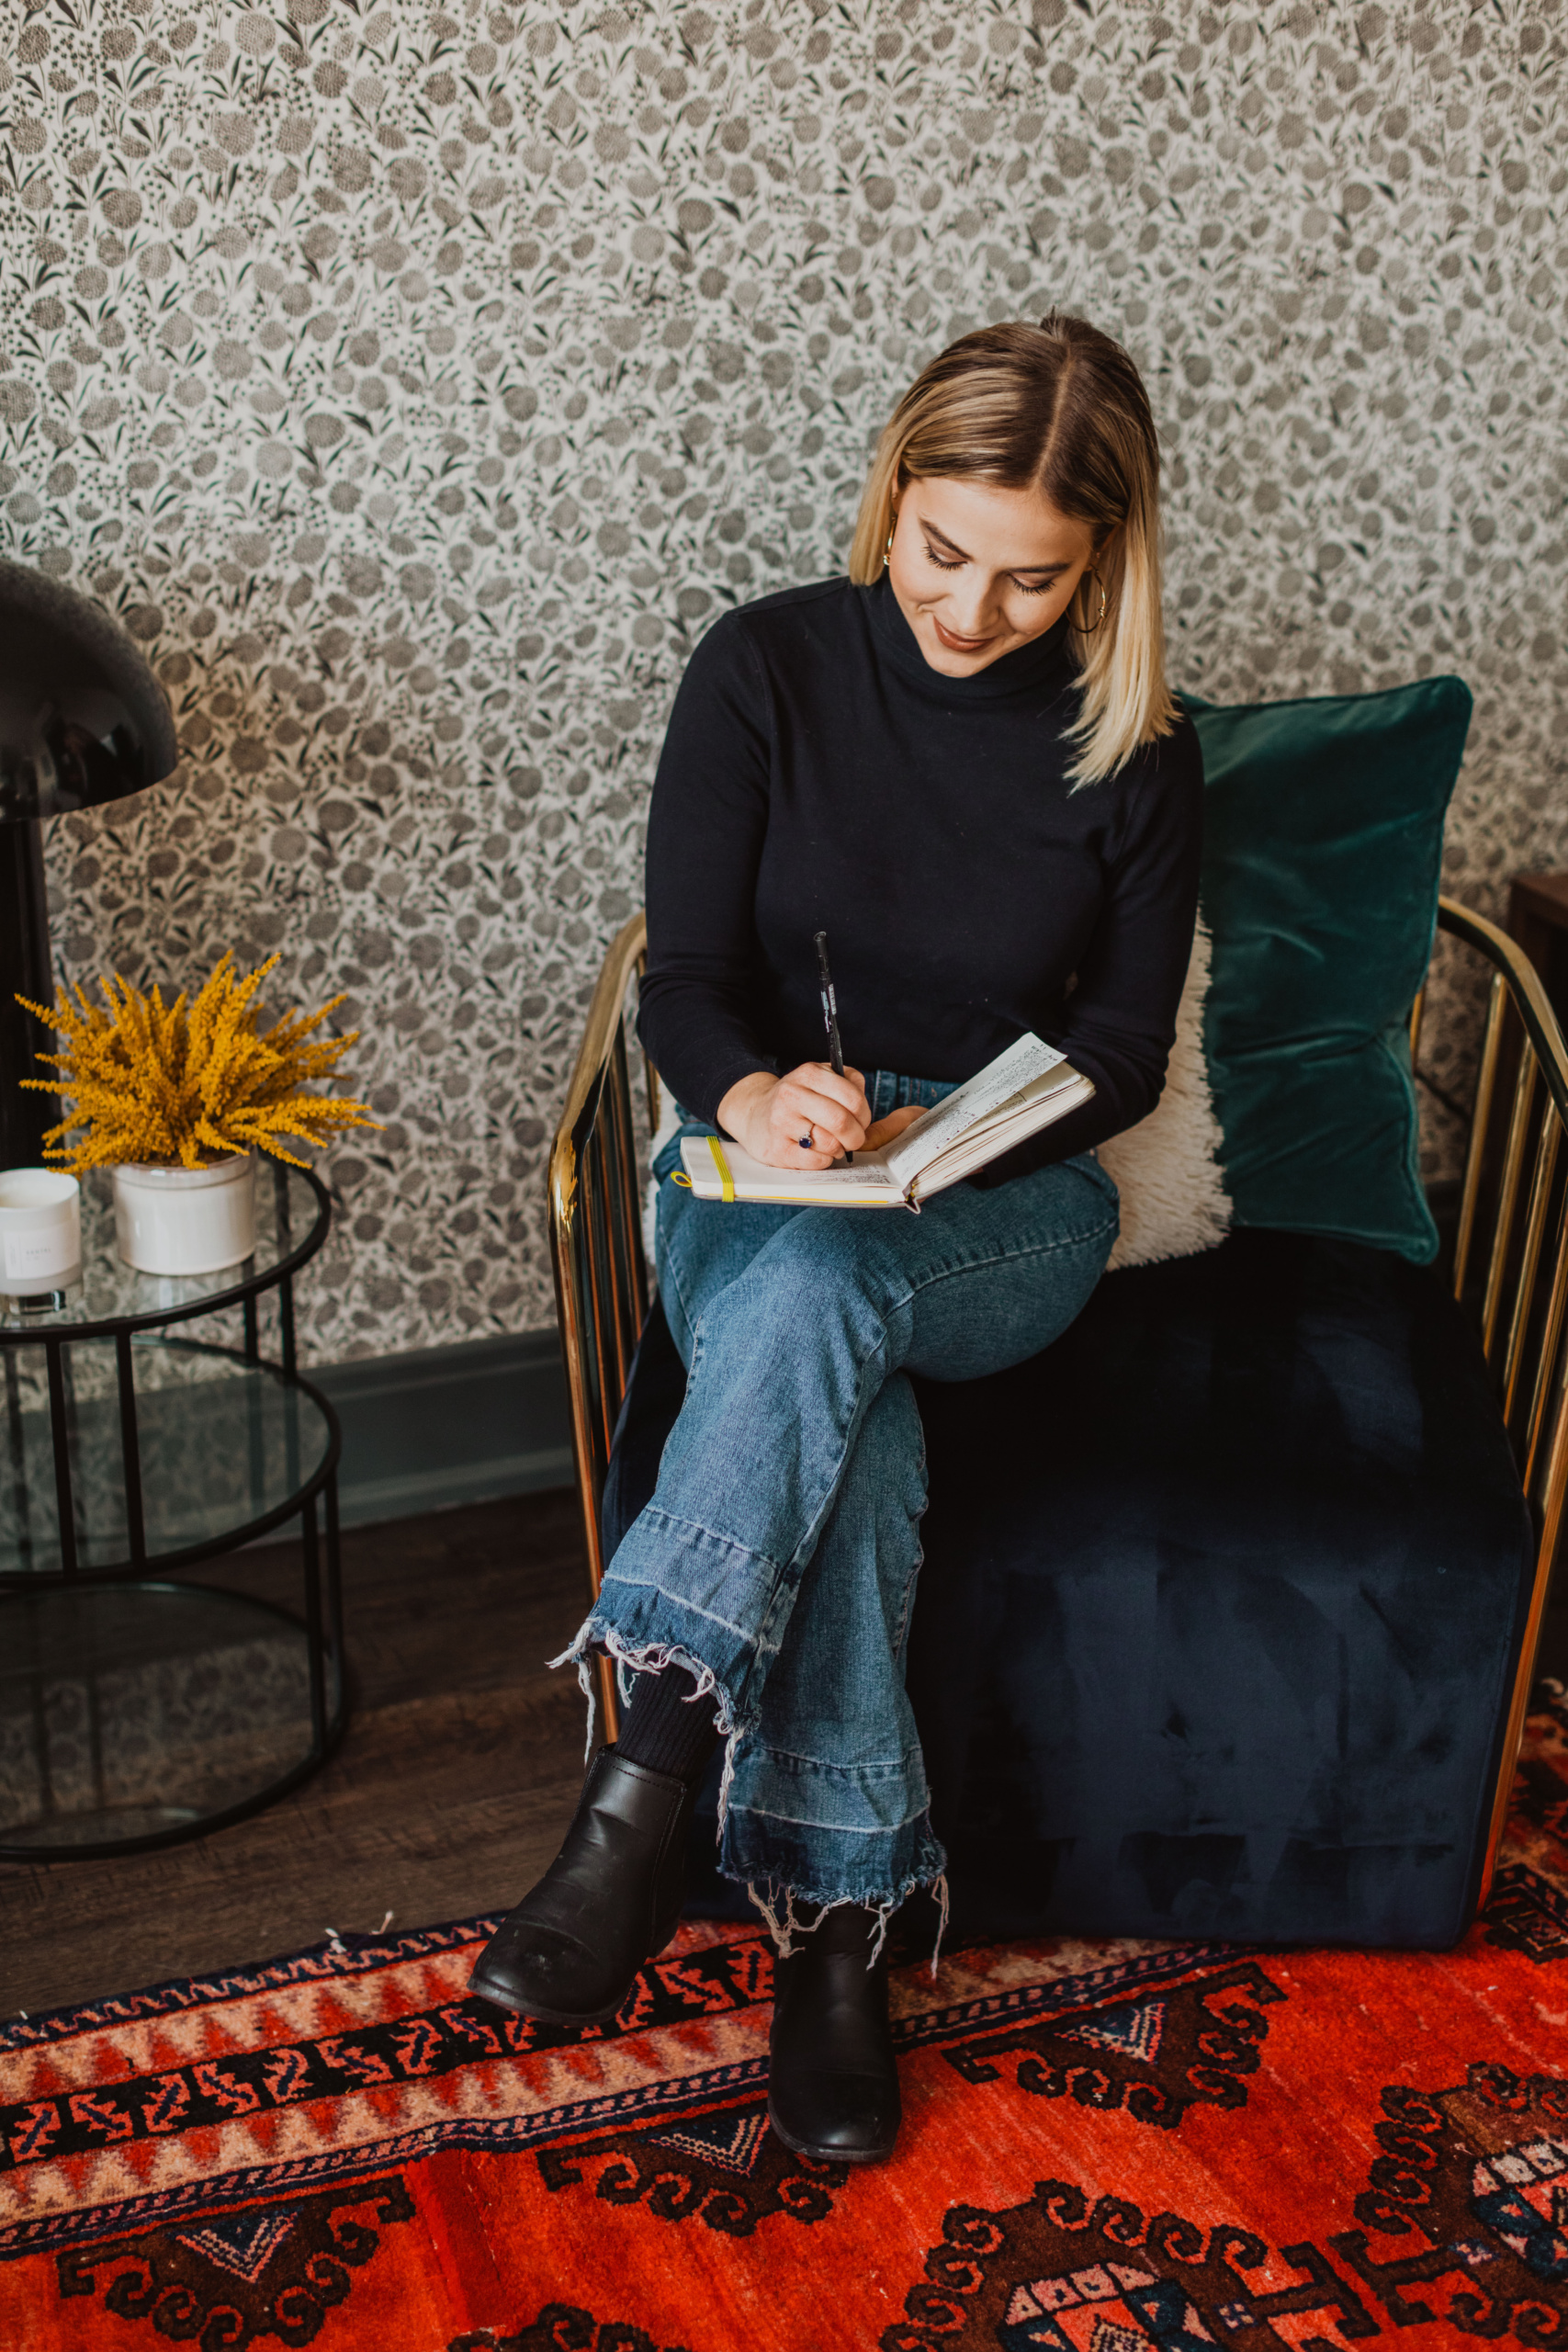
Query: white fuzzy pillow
[[1167, 1169]]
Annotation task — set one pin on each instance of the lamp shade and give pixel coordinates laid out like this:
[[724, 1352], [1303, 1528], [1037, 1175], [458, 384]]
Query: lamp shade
[[82, 719]]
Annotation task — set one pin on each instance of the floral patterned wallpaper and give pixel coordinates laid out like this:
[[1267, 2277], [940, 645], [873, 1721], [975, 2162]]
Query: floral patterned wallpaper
[[419, 378]]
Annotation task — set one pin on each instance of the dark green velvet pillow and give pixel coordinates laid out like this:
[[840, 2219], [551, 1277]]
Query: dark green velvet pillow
[[1324, 833]]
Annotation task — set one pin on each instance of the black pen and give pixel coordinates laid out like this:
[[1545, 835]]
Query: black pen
[[830, 1013]]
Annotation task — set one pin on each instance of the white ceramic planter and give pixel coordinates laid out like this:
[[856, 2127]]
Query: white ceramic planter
[[186, 1220]]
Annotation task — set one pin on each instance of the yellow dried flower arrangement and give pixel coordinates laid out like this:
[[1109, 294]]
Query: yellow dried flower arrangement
[[175, 1085]]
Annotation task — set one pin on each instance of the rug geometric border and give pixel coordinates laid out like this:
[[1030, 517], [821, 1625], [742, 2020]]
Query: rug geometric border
[[988, 2013], [348, 1956]]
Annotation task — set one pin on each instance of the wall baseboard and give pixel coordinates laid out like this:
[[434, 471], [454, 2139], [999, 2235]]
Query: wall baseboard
[[443, 1426]]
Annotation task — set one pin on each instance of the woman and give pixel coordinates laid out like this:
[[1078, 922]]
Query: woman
[[962, 764]]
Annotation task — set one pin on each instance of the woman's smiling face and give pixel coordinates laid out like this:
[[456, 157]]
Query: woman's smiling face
[[978, 571]]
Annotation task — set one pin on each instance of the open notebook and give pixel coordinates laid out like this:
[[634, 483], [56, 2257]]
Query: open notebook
[[1024, 1088]]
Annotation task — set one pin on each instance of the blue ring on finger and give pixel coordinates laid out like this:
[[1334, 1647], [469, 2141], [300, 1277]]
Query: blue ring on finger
[[805, 1142]]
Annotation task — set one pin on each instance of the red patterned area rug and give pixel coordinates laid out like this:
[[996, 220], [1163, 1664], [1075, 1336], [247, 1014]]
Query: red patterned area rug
[[1107, 2146]]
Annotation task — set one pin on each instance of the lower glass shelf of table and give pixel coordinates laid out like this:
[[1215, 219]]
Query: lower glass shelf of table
[[137, 1712], [138, 1704]]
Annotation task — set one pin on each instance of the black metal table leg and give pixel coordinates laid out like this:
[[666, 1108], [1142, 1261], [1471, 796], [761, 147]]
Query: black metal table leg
[[130, 1447], [319, 1717], [17, 1437], [334, 1601], [286, 1326], [60, 1428]]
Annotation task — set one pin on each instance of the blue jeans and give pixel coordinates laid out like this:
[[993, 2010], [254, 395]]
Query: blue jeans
[[777, 1559]]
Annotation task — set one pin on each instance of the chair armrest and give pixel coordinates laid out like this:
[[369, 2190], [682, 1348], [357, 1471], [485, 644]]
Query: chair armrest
[[602, 1289], [1518, 1297]]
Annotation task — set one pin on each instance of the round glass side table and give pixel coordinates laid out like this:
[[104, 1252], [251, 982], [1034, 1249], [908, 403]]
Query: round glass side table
[[147, 1425]]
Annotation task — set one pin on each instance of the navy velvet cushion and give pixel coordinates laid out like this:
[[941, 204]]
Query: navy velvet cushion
[[1222, 1602]]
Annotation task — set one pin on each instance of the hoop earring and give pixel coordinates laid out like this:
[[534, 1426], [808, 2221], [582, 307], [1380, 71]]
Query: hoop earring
[[887, 551], [1100, 616]]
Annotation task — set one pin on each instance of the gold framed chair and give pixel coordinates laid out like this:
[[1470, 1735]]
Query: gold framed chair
[[1509, 1269], [1521, 1296], [601, 1269]]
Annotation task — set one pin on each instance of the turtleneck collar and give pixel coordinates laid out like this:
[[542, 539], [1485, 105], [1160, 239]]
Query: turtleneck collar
[[1046, 661]]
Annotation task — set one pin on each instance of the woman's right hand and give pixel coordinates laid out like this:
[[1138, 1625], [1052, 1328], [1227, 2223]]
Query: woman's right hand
[[768, 1116]]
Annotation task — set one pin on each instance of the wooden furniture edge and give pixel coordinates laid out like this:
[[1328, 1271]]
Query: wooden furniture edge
[[606, 1015]]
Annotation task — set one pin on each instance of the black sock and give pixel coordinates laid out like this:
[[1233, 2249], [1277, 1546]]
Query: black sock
[[665, 1729]]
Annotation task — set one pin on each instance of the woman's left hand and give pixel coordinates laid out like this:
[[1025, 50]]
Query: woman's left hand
[[894, 1125]]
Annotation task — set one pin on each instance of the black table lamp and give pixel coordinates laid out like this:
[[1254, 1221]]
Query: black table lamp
[[83, 720]]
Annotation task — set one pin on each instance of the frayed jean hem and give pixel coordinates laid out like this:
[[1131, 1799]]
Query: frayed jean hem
[[880, 1877], [877, 1867], [597, 1636]]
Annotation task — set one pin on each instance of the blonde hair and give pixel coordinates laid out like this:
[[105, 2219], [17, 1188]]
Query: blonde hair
[[1059, 408]]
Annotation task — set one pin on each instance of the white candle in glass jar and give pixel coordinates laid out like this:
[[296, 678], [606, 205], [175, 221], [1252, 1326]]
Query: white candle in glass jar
[[40, 1231]]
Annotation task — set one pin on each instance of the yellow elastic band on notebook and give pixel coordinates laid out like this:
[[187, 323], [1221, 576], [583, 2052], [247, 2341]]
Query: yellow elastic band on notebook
[[725, 1177]]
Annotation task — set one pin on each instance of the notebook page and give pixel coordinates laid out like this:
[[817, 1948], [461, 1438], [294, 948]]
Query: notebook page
[[1030, 1058], [1041, 1106]]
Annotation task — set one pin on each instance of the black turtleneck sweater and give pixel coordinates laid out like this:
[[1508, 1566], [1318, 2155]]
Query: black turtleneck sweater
[[818, 775]]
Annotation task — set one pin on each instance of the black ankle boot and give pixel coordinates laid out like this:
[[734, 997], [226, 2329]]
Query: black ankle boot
[[609, 1901], [832, 2079]]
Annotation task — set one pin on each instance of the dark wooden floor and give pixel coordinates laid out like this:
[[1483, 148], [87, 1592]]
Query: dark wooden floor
[[461, 1762]]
